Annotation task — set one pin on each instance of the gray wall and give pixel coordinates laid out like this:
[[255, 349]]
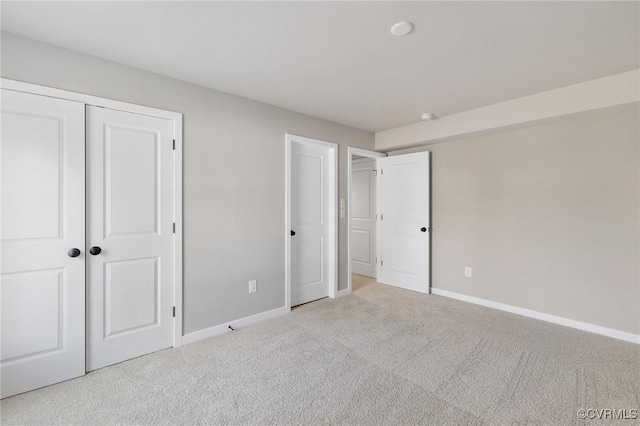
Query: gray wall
[[547, 216], [234, 168]]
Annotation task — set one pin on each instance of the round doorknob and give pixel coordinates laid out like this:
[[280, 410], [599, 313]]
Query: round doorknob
[[74, 252], [95, 250], [423, 229]]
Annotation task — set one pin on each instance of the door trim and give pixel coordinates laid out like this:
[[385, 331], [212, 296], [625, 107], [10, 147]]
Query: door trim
[[333, 219], [176, 117], [351, 151]]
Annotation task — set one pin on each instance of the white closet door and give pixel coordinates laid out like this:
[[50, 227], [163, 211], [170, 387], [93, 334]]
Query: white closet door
[[130, 187], [43, 202], [311, 259], [363, 218], [404, 224]]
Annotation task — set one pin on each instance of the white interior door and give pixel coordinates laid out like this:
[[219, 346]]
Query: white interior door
[[405, 221], [312, 221], [130, 188], [42, 288], [363, 217]]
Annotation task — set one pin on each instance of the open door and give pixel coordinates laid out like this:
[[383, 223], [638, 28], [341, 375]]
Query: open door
[[405, 221]]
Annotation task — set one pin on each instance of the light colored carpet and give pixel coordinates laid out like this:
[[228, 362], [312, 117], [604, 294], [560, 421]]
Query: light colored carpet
[[380, 356]]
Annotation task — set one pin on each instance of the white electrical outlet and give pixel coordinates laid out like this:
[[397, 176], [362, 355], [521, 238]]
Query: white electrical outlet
[[253, 286], [467, 271]]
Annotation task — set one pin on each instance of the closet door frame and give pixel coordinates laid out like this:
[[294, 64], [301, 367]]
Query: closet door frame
[[176, 117]]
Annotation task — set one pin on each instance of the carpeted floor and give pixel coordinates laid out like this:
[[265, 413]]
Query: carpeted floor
[[379, 356]]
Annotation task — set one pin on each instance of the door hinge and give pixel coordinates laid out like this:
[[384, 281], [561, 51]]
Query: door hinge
[[174, 227], [174, 311], [376, 260], [382, 263], [381, 171], [174, 144], [375, 172], [381, 217], [429, 229]]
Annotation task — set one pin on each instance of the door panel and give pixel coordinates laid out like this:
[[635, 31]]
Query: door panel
[[310, 256], [404, 213], [309, 189], [36, 297], [310, 212], [133, 203], [31, 146], [361, 249], [130, 217], [131, 291], [363, 218], [42, 289]]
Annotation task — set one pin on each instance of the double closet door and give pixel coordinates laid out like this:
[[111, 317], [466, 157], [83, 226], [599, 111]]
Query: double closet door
[[87, 238]]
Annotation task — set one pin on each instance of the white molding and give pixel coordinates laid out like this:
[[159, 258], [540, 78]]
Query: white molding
[[333, 172], [177, 217], [287, 222], [596, 94], [351, 151], [342, 293], [176, 117], [604, 331], [362, 160], [365, 153], [21, 86], [334, 219], [239, 323]]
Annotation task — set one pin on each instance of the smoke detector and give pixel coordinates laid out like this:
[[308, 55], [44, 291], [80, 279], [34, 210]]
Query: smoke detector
[[429, 116], [402, 28]]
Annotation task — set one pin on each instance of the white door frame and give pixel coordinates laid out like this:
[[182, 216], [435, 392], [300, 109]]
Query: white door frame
[[176, 117], [333, 219], [351, 151]]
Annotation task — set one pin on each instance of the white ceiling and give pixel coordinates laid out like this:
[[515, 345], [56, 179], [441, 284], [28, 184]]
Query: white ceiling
[[338, 61]]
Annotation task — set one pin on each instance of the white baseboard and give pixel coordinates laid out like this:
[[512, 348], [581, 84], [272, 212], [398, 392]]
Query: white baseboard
[[242, 322], [609, 332], [344, 292]]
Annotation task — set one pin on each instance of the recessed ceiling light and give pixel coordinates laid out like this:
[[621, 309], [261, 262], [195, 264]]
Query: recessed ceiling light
[[402, 28], [429, 116]]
